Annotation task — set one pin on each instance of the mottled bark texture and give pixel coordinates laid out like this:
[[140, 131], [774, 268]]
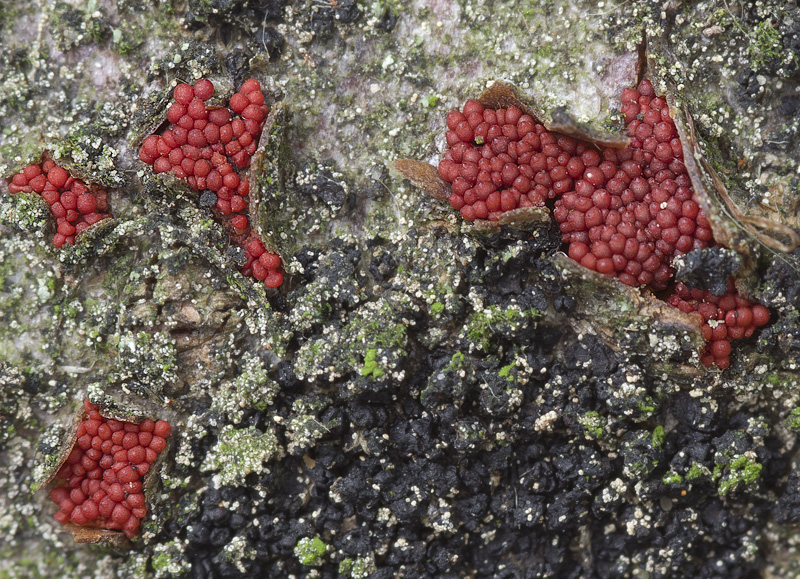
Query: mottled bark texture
[[421, 398]]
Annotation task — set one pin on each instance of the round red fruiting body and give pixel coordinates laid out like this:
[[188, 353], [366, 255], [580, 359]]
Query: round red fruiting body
[[238, 103], [239, 222], [203, 89], [183, 93], [250, 85]]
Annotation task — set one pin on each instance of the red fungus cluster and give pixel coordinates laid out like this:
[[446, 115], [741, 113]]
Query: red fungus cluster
[[625, 212], [500, 160], [261, 264], [634, 211], [103, 474], [73, 205], [208, 147], [725, 318]]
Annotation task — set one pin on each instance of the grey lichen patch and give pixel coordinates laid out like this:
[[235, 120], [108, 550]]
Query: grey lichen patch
[[636, 320], [107, 398], [359, 568], [108, 237], [194, 430], [736, 458], [333, 284], [470, 435], [747, 56], [742, 471], [252, 388], [27, 212], [87, 154], [279, 213], [375, 326], [640, 455], [792, 421], [205, 239], [449, 385], [168, 560], [204, 11], [121, 294], [237, 553], [27, 275], [16, 145], [770, 378], [18, 149], [186, 58], [486, 323], [179, 278], [54, 446], [432, 272], [631, 396], [91, 242], [72, 27], [594, 425], [136, 566], [307, 425], [186, 298], [766, 45], [14, 415], [239, 452], [145, 363]]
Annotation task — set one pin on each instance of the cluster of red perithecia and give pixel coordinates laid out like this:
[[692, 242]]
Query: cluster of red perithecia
[[101, 482], [624, 212], [725, 318], [72, 203], [205, 147]]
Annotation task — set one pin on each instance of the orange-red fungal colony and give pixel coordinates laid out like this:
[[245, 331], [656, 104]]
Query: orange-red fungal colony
[[101, 484], [725, 318], [625, 213], [74, 206], [209, 148]]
